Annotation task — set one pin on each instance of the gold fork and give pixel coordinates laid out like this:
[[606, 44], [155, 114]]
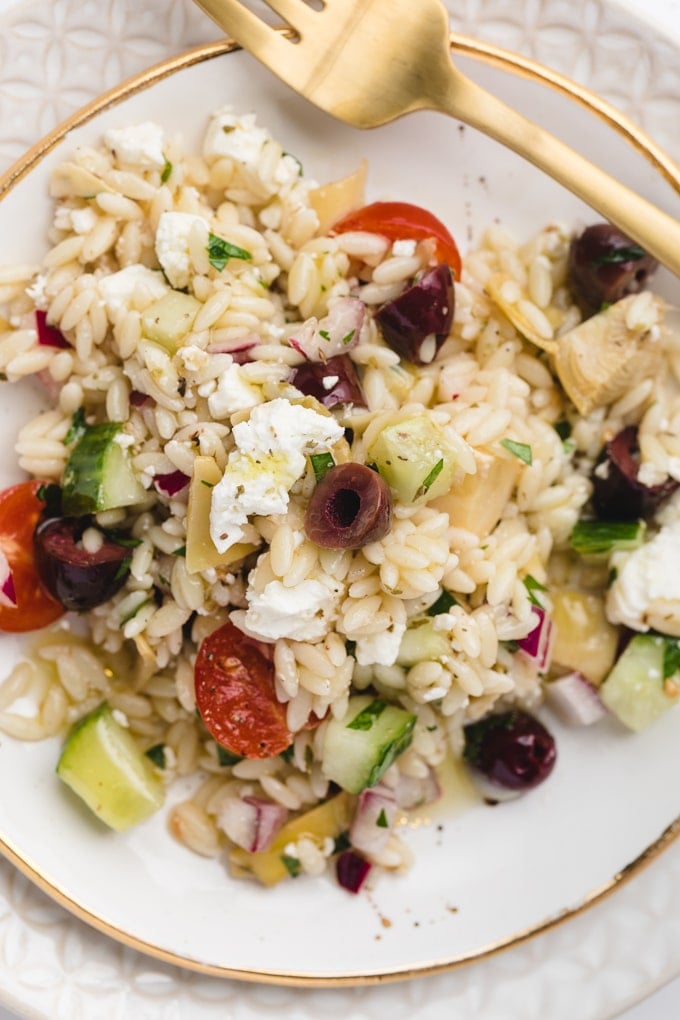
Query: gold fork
[[368, 62]]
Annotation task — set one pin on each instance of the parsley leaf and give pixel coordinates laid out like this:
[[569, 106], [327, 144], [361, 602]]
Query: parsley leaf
[[77, 428], [321, 463], [365, 719], [381, 820], [156, 754], [442, 605], [166, 171], [671, 657], [220, 251], [519, 450], [632, 254], [291, 864], [532, 586], [431, 478]]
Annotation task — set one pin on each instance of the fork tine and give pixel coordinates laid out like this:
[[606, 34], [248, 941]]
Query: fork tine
[[296, 13], [247, 29]]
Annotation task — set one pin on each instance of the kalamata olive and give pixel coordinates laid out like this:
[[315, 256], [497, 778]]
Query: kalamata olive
[[332, 382], [417, 323], [604, 266], [511, 749], [79, 579], [618, 495], [350, 507]]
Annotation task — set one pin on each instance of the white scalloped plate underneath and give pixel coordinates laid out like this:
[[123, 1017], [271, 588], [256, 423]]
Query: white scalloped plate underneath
[[543, 856]]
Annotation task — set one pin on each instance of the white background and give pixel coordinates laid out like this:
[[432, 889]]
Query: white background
[[664, 1004]]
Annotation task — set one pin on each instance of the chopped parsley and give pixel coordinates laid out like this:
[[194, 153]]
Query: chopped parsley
[[226, 757], [77, 428], [381, 820], [180, 551], [166, 171], [442, 605], [156, 754], [220, 251], [597, 538], [365, 719], [348, 337], [631, 254], [532, 586], [671, 657], [325, 335], [208, 485], [520, 450], [563, 429], [429, 480], [291, 864], [321, 463]]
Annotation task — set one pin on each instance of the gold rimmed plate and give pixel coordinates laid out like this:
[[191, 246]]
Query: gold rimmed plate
[[483, 878]]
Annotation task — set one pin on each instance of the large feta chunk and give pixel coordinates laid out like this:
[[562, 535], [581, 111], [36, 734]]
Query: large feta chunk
[[304, 612], [137, 144], [118, 290], [236, 137], [269, 458], [645, 592], [174, 236], [234, 393]]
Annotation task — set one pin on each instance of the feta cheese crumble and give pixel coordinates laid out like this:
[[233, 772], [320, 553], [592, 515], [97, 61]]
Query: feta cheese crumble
[[118, 289], [270, 456], [174, 236], [302, 613], [234, 393], [137, 144], [645, 592]]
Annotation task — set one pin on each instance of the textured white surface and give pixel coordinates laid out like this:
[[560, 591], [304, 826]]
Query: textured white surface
[[54, 57]]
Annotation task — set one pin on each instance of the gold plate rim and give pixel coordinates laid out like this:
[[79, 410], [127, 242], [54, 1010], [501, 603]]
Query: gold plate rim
[[504, 60]]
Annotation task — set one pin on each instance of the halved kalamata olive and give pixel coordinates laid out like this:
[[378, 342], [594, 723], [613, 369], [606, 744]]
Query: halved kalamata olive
[[350, 507], [604, 266], [331, 382], [79, 579], [417, 323], [618, 495], [512, 749]]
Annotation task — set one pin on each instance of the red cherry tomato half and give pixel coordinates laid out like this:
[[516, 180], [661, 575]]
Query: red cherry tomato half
[[402, 220], [235, 695], [20, 510]]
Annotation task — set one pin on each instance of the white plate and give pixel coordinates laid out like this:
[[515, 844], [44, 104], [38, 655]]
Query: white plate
[[506, 873]]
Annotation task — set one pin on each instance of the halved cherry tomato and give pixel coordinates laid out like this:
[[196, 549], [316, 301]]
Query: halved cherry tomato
[[402, 220], [20, 510], [236, 697]]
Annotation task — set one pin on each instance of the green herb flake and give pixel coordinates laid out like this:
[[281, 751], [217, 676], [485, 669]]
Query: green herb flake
[[341, 843], [299, 164], [226, 757], [599, 538], [220, 251], [166, 171], [208, 485], [563, 429], [532, 586], [77, 427], [443, 604], [123, 569], [671, 657], [321, 463], [348, 337], [180, 551], [365, 719], [631, 254], [325, 335], [429, 481], [133, 612], [291, 864], [520, 450], [511, 646], [156, 754], [381, 820]]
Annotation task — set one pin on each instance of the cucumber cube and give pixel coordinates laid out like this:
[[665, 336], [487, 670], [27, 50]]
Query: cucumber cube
[[636, 690], [103, 765], [359, 748], [98, 474], [422, 641], [416, 458], [168, 320]]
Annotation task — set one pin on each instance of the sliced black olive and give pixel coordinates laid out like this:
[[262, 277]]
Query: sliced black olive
[[604, 266], [79, 579], [417, 323], [350, 507], [331, 382], [618, 495], [511, 749]]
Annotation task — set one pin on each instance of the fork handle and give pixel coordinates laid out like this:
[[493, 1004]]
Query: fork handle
[[642, 221]]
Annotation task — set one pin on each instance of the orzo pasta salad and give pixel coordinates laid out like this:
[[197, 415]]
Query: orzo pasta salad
[[315, 505]]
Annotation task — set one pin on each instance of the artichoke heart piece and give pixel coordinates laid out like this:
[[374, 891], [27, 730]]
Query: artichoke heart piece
[[71, 180], [598, 360], [529, 321]]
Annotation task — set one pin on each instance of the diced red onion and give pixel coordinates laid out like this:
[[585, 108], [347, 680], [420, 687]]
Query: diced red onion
[[52, 387], [238, 348], [251, 823], [171, 483], [352, 870], [8, 595], [373, 820], [139, 399], [537, 645], [414, 791], [575, 699], [49, 336]]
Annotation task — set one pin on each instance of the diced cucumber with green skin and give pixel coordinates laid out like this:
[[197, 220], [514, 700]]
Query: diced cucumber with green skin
[[422, 641], [638, 690], [168, 320], [98, 474], [600, 538], [359, 748], [415, 458], [103, 765]]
